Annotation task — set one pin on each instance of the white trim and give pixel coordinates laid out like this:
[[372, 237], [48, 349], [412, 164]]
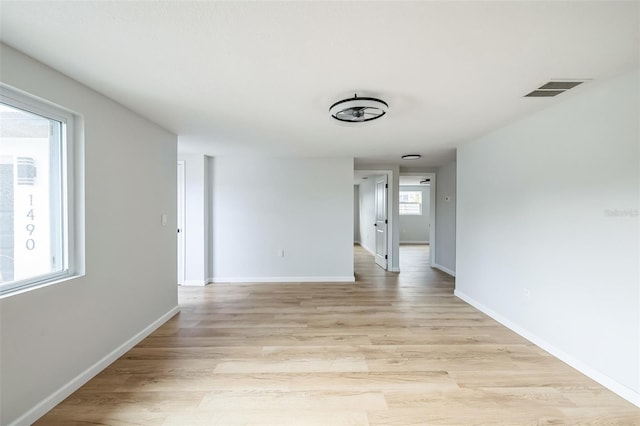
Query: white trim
[[432, 218], [415, 242], [197, 283], [444, 269], [432, 208], [38, 286], [70, 264], [44, 406], [181, 179], [391, 222], [606, 381], [389, 267], [367, 249], [380, 192], [330, 279]]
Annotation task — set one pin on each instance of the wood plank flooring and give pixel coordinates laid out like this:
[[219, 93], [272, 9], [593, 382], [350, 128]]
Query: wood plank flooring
[[391, 349]]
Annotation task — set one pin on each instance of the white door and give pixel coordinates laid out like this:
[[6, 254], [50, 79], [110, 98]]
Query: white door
[[381, 221], [180, 221]]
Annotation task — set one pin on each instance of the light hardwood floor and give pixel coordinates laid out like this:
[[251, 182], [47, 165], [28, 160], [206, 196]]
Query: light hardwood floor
[[391, 349]]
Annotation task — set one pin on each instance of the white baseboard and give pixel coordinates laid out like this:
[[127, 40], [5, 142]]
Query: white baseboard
[[615, 387], [367, 249], [443, 269], [330, 279], [389, 268], [44, 406], [197, 283]]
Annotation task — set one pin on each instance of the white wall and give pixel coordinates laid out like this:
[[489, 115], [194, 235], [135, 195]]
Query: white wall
[[415, 228], [445, 233], [197, 213], [301, 205], [368, 214], [51, 337], [548, 229]]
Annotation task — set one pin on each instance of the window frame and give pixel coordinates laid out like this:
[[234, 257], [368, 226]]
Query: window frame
[[32, 104], [410, 203]]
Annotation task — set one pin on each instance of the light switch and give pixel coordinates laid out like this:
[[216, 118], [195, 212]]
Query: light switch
[[163, 219]]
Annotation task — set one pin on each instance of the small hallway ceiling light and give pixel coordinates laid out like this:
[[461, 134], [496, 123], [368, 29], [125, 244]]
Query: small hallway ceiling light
[[411, 157], [358, 110]]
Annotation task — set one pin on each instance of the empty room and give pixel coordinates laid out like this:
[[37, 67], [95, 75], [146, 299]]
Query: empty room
[[319, 213]]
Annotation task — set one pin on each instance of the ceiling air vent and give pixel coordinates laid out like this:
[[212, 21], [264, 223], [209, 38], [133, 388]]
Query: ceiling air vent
[[552, 88]]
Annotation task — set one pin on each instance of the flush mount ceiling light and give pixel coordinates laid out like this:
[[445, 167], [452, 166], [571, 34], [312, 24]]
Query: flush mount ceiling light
[[411, 157], [358, 110]]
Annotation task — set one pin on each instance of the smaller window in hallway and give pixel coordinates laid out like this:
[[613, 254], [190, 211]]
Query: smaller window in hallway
[[411, 203]]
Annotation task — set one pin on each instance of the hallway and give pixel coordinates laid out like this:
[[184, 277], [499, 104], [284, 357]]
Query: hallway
[[415, 258]]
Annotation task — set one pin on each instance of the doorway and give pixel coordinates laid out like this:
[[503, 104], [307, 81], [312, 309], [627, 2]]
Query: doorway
[[180, 220], [381, 221], [373, 215], [417, 218]]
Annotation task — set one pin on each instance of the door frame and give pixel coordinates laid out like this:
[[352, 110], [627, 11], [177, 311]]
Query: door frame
[[391, 195], [180, 220], [380, 261], [432, 211]]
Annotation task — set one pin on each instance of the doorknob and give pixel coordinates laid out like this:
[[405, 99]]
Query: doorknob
[[375, 224]]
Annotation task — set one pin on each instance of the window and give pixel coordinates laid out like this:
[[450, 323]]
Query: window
[[35, 140], [411, 203]]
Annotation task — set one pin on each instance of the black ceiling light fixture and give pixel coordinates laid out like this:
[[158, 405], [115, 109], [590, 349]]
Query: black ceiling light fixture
[[358, 109], [411, 157]]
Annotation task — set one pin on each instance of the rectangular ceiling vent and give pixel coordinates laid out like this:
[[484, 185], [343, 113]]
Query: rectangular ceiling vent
[[552, 88]]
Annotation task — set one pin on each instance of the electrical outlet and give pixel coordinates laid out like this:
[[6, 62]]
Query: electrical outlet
[[527, 293], [280, 252]]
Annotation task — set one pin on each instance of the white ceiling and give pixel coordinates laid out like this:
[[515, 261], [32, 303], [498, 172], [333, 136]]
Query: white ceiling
[[258, 78]]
